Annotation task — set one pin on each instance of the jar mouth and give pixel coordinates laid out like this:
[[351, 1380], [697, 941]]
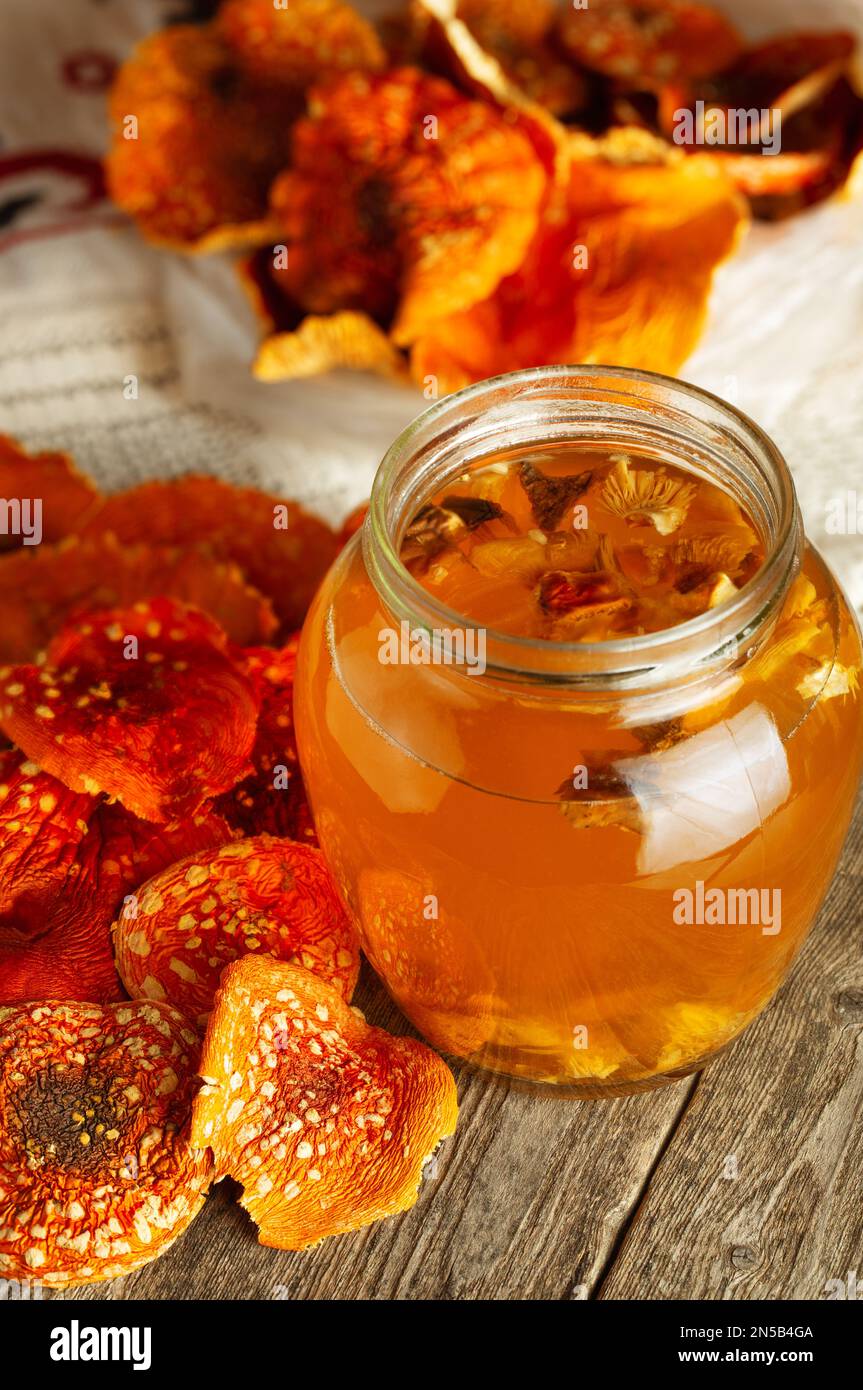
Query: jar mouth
[[625, 409]]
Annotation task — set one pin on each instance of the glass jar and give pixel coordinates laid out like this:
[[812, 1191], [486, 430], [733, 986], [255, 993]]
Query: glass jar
[[616, 940]]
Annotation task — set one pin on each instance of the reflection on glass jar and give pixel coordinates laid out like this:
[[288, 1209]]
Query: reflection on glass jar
[[587, 862]]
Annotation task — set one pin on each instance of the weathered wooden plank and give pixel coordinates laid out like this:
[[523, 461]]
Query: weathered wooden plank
[[525, 1202], [787, 1104]]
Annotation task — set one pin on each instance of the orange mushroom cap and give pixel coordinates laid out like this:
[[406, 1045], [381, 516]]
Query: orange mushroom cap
[[439, 196], [55, 943], [214, 104], [621, 274], [42, 824], [300, 42], [44, 588], [64, 495], [97, 1175], [512, 48], [143, 703], [326, 1121], [280, 548], [273, 799], [270, 896], [195, 142], [643, 43]]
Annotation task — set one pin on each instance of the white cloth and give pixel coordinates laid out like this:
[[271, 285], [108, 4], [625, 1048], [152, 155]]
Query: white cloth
[[84, 304]]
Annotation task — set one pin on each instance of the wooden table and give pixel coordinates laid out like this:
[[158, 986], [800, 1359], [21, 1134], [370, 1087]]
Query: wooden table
[[544, 1197]]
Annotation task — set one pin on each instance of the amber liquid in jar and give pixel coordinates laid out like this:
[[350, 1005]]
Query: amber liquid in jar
[[518, 865], [577, 545]]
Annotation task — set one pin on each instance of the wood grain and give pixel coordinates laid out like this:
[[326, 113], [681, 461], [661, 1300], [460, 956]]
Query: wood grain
[[787, 1102], [542, 1197]]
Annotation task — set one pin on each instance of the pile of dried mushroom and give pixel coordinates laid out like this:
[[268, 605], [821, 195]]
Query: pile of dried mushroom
[[476, 186], [165, 913]]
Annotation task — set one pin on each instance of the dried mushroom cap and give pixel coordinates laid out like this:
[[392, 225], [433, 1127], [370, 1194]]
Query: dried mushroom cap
[[796, 637], [794, 179], [550, 496], [437, 527], [473, 511], [808, 80], [655, 738], [126, 851], [619, 271], [195, 171], [326, 1121], [641, 495], [272, 669], [694, 1030], [582, 597], [573, 550], [282, 550], [607, 800], [506, 50], [64, 494], [621, 813], [788, 72], [431, 531], [724, 552], [298, 43], [644, 43], [829, 681], [42, 589], [97, 1176], [273, 798], [322, 343], [719, 589], [272, 897], [434, 522], [42, 823], [804, 637], [519, 556], [57, 945], [142, 703], [428, 219], [516, 22]]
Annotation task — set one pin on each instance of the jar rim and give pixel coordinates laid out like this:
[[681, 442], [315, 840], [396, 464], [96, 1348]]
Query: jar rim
[[618, 660]]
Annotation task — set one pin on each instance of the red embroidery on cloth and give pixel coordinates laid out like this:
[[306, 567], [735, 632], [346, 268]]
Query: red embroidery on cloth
[[46, 193], [89, 70]]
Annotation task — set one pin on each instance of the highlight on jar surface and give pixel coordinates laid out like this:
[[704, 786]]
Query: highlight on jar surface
[[568, 707]]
